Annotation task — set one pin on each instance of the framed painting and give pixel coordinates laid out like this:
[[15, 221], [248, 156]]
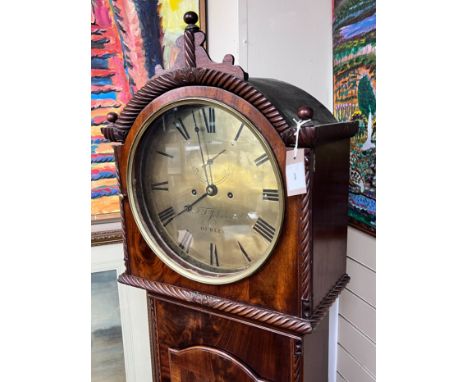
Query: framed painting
[[354, 92], [120, 349], [107, 355], [128, 39]]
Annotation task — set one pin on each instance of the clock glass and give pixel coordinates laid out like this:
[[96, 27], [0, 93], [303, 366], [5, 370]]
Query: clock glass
[[206, 191]]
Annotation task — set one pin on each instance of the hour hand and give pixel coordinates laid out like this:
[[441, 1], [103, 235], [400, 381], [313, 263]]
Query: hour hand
[[210, 161], [187, 208]]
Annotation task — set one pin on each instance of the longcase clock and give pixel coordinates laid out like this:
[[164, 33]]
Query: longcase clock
[[239, 275]]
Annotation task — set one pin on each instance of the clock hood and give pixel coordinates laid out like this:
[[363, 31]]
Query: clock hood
[[288, 98]]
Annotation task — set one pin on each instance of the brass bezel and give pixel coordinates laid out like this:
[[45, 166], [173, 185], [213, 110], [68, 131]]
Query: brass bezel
[[192, 272]]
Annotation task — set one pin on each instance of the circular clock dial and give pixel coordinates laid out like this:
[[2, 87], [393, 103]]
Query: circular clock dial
[[204, 182]]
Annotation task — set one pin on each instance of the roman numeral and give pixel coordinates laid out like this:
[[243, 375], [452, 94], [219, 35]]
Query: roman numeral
[[261, 159], [181, 129], [270, 195], [264, 229], [213, 255], [239, 132], [202, 111], [244, 252], [160, 186], [165, 154], [167, 215], [210, 122], [186, 241]]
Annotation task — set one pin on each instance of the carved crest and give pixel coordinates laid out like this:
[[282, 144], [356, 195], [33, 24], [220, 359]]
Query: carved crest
[[200, 57]]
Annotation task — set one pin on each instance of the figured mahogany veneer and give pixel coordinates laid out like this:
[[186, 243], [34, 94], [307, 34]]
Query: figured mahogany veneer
[[195, 345], [202, 363]]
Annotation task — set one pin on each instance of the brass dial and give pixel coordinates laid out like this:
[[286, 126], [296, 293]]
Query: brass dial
[[203, 180]]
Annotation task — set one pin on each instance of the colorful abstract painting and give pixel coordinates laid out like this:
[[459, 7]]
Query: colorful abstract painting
[[354, 77], [128, 39]]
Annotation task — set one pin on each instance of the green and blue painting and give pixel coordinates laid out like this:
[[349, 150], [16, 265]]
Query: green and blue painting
[[354, 79]]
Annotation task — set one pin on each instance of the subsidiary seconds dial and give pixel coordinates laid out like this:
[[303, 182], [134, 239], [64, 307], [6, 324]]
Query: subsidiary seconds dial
[[206, 191]]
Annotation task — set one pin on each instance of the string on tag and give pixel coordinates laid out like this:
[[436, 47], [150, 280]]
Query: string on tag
[[298, 129]]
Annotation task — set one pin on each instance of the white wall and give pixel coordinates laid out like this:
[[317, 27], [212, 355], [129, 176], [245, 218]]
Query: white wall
[[223, 29], [287, 40], [292, 41]]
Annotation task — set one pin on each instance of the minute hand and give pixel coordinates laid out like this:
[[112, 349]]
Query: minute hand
[[197, 130]]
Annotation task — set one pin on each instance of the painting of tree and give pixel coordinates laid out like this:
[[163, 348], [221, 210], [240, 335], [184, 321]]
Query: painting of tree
[[354, 79]]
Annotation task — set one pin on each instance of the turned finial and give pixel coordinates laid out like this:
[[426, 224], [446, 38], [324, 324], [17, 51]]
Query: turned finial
[[112, 117], [305, 112], [191, 18]]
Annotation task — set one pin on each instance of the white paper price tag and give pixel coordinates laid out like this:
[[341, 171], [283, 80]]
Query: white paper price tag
[[295, 173]]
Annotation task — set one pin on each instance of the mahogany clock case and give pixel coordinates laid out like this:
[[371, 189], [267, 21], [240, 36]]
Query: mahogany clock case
[[267, 326], [278, 284]]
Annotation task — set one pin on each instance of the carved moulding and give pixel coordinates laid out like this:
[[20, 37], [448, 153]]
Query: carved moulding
[[193, 54], [322, 308], [305, 252], [117, 131], [298, 361], [154, 339], [266, 316], [122, 198]]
